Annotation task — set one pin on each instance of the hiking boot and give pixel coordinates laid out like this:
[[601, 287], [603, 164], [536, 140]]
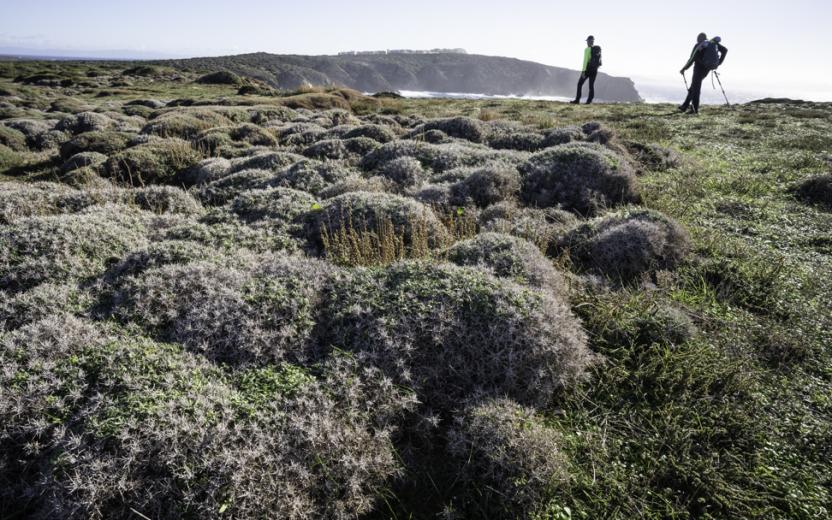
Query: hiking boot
[[589, 102], [575, 102], [682, 108]]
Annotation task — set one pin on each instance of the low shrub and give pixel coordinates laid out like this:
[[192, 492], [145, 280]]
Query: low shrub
[[488, 185], [283, 206], [354, 183], [508, 461], [155, 162], [204, 172], [379, 133], [241, 315], [562, 136], [270, 161], [579, 177], [222, 77], [83, 159], [40, 302], [340, 149], [107, 143], [626, 245], [459, 127], [541, 227], [816, 190], [653, 156], [404, 171], [85, 122], [225, 189], [510, 257], [311, 176], [451, 333], [13, 139]]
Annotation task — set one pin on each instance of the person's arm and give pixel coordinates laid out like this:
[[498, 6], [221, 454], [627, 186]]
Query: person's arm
[[723, 51], [692, 58], [587, 56]]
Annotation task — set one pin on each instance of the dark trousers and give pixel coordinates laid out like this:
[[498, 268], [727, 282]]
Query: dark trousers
[[695, 90], [591, 75]]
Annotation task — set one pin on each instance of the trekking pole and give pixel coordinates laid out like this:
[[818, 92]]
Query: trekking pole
[[686, 81], [723, 88]]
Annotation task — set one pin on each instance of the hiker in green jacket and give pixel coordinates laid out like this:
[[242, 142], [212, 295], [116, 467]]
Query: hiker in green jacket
[[589, 70]]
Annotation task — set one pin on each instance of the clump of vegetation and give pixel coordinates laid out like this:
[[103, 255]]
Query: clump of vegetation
[[404, 171], [816, 190], [222, 77], [580, 177], [246, 315], [13, 139], [460, 127], [283, 206], [107, 143], [227, 188], [510, 257], [654, 156], [488, 185], [508, 460], [541, 227], [452, 332], [379, 133], [41, 302], [83, 159], [312, 176], [154, 162], [627, 245], [342, 220]]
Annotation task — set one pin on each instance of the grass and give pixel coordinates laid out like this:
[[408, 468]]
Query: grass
[[710, 395]]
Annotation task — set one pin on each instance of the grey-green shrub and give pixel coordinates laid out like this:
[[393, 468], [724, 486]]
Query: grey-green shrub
[[154, 162], [80, 160], [277, 205], [379, 133], [244, 315], [107, 143], [404, 171], [625, 245], [510, 257], [311, 176], [460, 127], [453, 332], [579, 177], [488, 185], [508, 462], [40, 302]]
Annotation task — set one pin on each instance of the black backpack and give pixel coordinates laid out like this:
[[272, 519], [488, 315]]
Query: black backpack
[[595, 58], [710, 56]]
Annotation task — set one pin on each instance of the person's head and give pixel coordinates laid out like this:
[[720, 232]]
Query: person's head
[[590, 41], [701, 38]]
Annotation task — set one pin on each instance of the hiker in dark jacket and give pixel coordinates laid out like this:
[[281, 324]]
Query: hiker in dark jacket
[[706, 56], [592, 60]]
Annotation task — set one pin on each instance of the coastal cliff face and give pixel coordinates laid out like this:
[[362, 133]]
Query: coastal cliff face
[[448, 72]]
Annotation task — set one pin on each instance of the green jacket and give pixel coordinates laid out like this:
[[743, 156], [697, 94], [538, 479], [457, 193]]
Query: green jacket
[[587, 57]]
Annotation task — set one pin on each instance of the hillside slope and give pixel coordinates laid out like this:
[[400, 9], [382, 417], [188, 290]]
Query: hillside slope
[[431, 72]]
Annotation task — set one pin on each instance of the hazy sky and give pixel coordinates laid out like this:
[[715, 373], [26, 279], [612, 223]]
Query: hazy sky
[[775, 46]]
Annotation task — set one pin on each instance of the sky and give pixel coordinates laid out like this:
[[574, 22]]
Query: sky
[[775, 47]]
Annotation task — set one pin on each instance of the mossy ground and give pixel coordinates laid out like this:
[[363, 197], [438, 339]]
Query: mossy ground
[[730, 418]]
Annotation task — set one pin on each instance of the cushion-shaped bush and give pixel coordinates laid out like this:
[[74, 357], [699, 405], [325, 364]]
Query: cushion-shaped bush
[[311, 176], [579, 177], [453, 332], [184, 123], [563, 136], [80, 160], [271, 161], [118, 423], [154, 162], [40, 302], [354, 183], [488, 185], [230, 235], [205, 171], [542, 227], [363, 211], [278, 205], [654, 156], [226, 188], [510, 257], [625, 245], [339, 149], [379, 133], [107, 143], [222, 77], [508, 460], [461, 127], [85, 122], [13, 139], [62, 248], [816, 190], [241, 315], [404, 171]]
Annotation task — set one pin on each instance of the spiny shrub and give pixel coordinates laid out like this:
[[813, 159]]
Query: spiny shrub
[[222, 77], [563, 136], [225, 189], [379, 133], [508, 461], [510, 257], [183, 123], [626, 245], [363, 212], [300, 134], [283, 206], [271, 161], [229, 235], [13, 139], [80, 160], [155, 162], [512, 136], [579, 177], [140, 426], [816, 190], [212, 141], [433, 137], [85, 122], [404, 171], [460, 127], [340, 149], [158, 254], [85, 177], [453, 332], [66, 247], [106, 143], [204, 172], [40, 302], [354, 183], [653, 156], [311, 176], [236, 315], [541, 227], [488, 185]]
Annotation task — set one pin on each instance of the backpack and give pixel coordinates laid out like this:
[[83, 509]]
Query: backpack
[[710, 55], [595, 58]]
